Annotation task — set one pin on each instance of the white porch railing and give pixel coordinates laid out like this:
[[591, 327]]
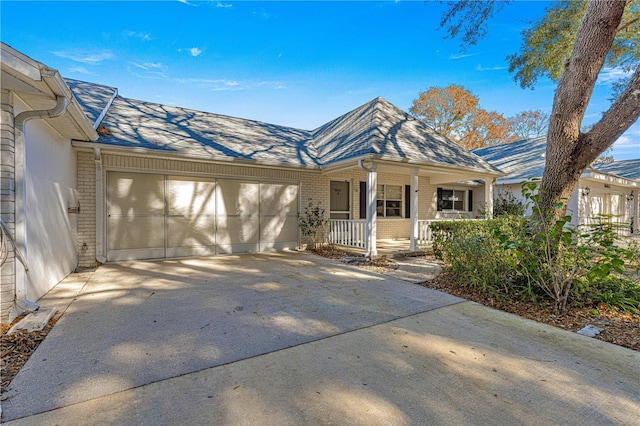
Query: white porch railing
[[348, 233], [425, 234]]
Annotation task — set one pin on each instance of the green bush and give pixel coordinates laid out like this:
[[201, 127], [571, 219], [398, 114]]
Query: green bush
[[541, 258], [504, 204], [474, 255], [312, 222]]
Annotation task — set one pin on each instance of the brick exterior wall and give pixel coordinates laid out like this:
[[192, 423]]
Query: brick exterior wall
[[389, 228], [7, 201], [86, 181], [312, 185]]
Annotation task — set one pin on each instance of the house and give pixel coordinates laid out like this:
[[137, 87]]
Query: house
[[603, 189], [89, 176]]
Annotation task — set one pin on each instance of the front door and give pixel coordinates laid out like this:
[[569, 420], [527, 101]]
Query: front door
[[340, 207]]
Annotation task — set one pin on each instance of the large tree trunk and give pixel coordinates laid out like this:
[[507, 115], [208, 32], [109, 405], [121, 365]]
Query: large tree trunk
[[570, 152]]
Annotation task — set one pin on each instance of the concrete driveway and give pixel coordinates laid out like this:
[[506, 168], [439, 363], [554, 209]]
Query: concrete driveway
[[292, 338]]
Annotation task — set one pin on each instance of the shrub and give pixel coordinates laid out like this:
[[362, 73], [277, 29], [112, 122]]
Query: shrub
[[312, 222], [505, 204], [474, 255], [541, 258]]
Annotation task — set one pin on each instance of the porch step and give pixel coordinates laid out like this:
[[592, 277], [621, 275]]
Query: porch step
[[403, 254]]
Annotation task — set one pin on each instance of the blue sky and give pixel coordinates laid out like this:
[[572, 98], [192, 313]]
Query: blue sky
[[298, 64]]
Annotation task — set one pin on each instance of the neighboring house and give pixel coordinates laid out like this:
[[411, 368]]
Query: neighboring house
[[603, 189], [89, 176]]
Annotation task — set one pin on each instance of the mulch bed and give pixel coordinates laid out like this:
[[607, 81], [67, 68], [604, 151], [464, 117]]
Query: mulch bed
[[16, 348], [619, 328]]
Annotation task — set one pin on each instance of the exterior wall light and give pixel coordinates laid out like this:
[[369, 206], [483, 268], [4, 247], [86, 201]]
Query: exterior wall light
[[630, 196], [585, 191]]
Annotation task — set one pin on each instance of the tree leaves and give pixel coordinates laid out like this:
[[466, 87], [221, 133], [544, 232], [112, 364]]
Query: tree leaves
[[455, 112]]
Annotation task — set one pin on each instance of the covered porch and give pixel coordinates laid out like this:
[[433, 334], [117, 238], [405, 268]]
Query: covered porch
[[386, 208]]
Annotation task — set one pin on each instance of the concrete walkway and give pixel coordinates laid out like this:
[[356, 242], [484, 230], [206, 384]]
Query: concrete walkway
[[298, 339]]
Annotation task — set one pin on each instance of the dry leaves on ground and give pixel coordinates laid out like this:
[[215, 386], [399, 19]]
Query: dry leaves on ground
[[15, 350]]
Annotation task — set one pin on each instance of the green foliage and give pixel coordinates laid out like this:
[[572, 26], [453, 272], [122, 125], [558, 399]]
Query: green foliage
[[505, 204], [549, 42], [474, 255], [617, 292], [541, 258], [312, 222]]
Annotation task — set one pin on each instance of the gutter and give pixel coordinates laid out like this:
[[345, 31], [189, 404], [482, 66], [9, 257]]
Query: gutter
[[19, 123]]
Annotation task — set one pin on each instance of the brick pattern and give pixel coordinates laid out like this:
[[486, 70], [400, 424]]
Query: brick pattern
[[7, 200], [388, 228], [312, 185], [86, 181]]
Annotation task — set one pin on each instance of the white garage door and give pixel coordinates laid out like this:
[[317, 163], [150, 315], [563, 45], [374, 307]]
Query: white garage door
[[155, 216]]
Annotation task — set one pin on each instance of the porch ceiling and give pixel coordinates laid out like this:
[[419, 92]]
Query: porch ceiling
[[436, 174]]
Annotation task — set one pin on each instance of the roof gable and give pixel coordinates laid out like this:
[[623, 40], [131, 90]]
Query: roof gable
[[379, 128]]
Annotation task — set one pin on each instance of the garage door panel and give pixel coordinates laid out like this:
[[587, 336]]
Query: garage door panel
[[190, 197], [238, 230], [278, 228], [139, 232], [135, 194], [136, 254], [184, 231], [154, 216], [237, 198], [277, 198]]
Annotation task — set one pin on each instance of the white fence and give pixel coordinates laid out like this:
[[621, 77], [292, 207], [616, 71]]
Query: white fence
[[348, 233], [351, 233]]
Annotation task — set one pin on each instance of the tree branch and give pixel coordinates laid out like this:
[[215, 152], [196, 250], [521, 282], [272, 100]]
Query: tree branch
[[620, 116]]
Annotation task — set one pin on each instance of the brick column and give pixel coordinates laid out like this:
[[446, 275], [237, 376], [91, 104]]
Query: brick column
[[7, 201], [87, 216]]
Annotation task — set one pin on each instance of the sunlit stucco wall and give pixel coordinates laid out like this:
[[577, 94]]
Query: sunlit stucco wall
[[50, 179]]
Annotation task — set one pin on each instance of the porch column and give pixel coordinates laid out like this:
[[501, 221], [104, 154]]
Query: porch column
[[372, 212], [488, 197], [414, 210]]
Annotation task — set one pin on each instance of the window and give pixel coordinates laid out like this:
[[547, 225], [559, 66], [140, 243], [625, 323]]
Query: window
[[454, 199], [389, 200]]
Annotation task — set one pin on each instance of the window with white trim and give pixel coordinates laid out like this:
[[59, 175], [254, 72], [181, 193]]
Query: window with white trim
[[455, 199], [389, 200]]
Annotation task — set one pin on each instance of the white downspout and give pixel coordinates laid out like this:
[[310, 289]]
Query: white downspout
[[19, 123]]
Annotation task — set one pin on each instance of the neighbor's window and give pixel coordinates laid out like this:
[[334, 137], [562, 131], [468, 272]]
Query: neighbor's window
[[389, 200], [451, 199]]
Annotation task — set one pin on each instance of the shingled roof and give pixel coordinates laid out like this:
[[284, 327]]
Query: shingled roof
[[379, 128], [376, 129], [629, 169], [521, 160], [525, 159]]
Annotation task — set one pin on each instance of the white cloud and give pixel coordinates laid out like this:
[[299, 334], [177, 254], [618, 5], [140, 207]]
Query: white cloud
[[195, 51], [462, 56], [188, 3], [151, 69], [81, 70], [84, 57], [496, 68], [224, 5], [610, 75], [135, 34], [218, 85]]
